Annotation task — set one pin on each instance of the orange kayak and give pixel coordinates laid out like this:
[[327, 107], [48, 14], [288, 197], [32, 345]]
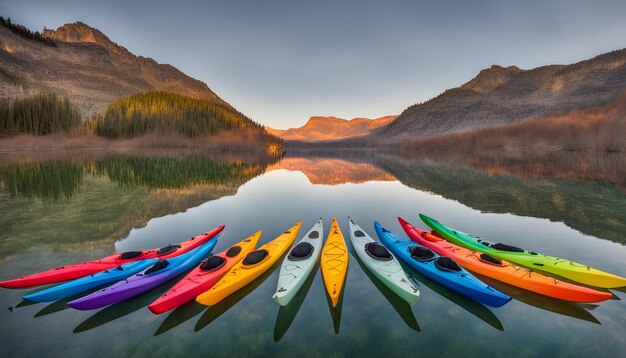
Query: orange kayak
[[504, 271]]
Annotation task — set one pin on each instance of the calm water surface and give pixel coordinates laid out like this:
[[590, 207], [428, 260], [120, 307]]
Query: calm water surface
[[71, 207]]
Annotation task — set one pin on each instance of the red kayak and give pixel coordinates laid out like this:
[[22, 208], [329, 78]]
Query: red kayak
[[71, 272], [204, 276]]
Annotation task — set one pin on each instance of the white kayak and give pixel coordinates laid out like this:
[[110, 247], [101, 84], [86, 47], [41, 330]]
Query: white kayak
[[382, 263], [299, 264]]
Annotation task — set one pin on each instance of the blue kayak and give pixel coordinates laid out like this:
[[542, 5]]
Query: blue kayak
[[440, 269], [86, 283], [155, 275]]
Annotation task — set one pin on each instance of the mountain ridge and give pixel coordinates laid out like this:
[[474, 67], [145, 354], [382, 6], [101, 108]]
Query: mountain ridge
[[504, 95], [328, 128], [87, 67]]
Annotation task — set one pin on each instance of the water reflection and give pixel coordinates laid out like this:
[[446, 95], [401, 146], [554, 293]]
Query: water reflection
[[120, 205], [335, 312], [42, 196], [122, 309], [546, 303], [402, 307], [286, 314], [179, 316], [586, 191], [332, 171], [56, 180], [468, 304]]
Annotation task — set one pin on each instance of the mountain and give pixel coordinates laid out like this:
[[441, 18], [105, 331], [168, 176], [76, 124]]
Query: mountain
[[319, 129], [84, 65], [503, 95], [600, 128]]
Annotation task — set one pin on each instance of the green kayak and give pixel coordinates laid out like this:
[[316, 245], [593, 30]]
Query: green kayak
[[554, 265]]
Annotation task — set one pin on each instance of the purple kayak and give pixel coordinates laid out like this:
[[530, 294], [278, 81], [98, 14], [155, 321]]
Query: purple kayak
[[162, 271]]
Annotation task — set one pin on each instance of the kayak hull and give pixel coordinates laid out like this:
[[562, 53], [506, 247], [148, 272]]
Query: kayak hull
[[242, 274], [78, 286], [198, 280], [143, 281], [506, 271], [552, 265], [461, 281], [74, 271], [389, 271], [294, 272], [334, 263]]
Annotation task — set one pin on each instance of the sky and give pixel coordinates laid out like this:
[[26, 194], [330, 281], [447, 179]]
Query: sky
[[280, 62]]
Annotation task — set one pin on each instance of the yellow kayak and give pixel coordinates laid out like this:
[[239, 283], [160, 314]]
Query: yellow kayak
[[334, 263], [252, 266]]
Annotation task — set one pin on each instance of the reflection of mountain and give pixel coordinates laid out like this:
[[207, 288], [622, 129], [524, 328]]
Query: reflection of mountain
[[331, 171], [52, 202], [592, 206], [583, 190]]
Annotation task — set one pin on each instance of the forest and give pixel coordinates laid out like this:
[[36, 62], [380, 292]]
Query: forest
[[166, 113], [42, 114]]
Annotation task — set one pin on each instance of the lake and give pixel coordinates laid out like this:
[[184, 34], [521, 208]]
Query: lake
[[60, 208]]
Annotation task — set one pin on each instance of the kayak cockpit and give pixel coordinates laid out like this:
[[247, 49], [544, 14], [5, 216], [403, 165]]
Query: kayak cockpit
[[505, 247], [212, 263], [377, 252], [445, 263], [421, 253], [130, 255], [301, 251], [255, 257], [233, 251], [167, 249], [490, 260], [159, 265]]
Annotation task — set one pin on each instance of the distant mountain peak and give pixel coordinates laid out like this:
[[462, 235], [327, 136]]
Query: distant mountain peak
[[81, 32], [325, 128], [84, 65], [490, 78]]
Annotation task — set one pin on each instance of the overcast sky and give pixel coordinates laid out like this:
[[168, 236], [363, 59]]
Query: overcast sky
[[281, 62]]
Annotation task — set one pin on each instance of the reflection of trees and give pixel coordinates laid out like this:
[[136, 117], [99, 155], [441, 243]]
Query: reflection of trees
[[174, 172], [592, 207], [106, 195], [51, 180], [62, 178]]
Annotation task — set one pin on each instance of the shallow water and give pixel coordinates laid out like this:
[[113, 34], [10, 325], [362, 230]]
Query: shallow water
[[71, 207]]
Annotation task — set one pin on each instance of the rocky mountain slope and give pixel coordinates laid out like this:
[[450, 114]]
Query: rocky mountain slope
[[319, 129], [503, 95], [86, 66]]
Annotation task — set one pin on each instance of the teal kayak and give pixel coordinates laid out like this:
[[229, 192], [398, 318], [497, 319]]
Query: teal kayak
[[382, 264]]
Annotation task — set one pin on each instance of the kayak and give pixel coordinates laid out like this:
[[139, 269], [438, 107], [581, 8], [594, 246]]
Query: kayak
[[161, 272], [440, 269], [86, 283], [504, 271], [562, 267], [252, 266], [299, 264], [334, 264], [71, 272], [204, 276], [382, 263]]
